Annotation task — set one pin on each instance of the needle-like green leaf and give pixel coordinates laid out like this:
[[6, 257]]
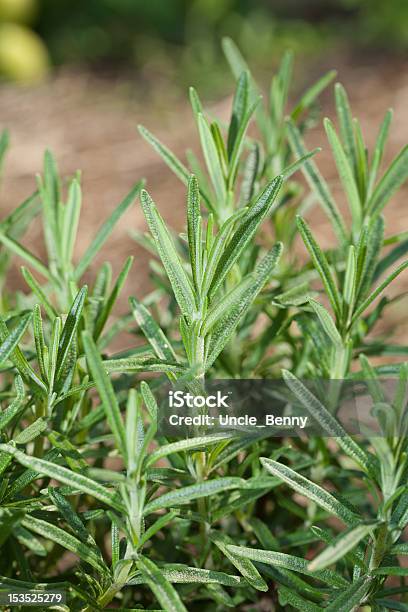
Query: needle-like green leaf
[[105, 390], [64, 475], [310, 490], [346, 174], [66, 540], [166, 594], [340, 547], [10, 342], [394, 177], [185, 445], [317, 183], [245, 232], [321, 264], [327, 322], [328, 422], [243, 565], [178, 278], [351, 598], [184, 495], [154, 334], [290, 562]]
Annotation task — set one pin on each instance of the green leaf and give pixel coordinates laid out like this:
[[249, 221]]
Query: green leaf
[[245, 232], [346, 124], [369, 248], [317, 183], [69, 451], [168, 157], [310, 490], [243, 565], [9, 519], [19, 360], [326, 322], [115, 544], [181, 285], [4, 144], [379, 149], [223, 330], [183, 574], [71, 220], [297, 164], [362, 162], [195, 101], [109, 303], [62, 474], [106, 230], [392, 604], [49, 188], [357, 314], [185, 445], [53, 351], [349, 287], [400, 549], [212, 161], [330, 424], [290, 562], [184, 495], [166, 595], [106, 392], [154, 334], [194, 230], [132, 364], [31, 432], [218, 246], [287, 596], [149, 400], [68, 334], [237, 63], [73, 519], [19, 250], [9, 344], [352, 597], [66, 540], [7, 415], [224, 306], [394, 177], [37, 290], [239, 107], [250, 173], [345, 171], [28, 540], [39, 341], [239, 142], [312, 93], [390, 571], [321, 264], [394, 255], [157, 526], [340, 546]]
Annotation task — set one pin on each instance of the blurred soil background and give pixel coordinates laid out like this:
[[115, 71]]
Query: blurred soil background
[[77, 76]]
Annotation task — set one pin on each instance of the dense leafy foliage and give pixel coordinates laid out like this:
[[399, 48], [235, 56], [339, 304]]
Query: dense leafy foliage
[[92, 498]]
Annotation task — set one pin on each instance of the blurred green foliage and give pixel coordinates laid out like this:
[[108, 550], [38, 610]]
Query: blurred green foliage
[[177, 41]]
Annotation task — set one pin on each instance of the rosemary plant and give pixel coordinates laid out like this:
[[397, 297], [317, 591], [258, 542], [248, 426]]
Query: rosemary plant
[[94, 499]]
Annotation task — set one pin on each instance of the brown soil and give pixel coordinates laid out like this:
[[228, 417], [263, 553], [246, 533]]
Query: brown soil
[[90, 124]]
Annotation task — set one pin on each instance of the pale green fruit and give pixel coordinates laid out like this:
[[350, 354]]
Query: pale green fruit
[[20, 11], [23, 55]]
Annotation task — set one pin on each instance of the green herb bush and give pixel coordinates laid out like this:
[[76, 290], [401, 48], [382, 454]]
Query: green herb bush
[[93, 500]]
